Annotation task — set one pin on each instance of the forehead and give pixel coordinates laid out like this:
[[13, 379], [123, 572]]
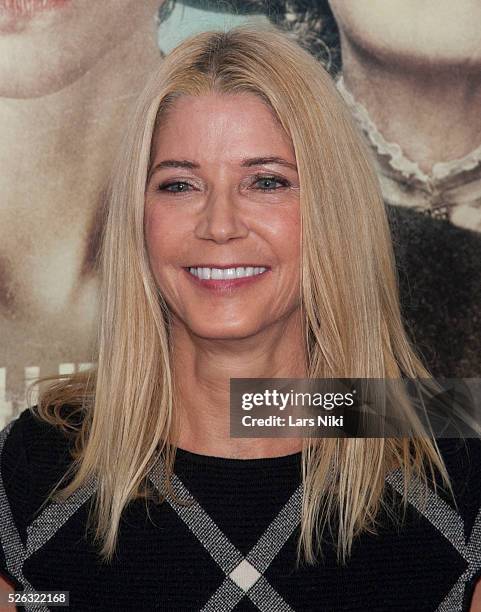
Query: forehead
[[218, 123]]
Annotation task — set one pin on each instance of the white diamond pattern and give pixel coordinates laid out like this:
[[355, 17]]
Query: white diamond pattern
[[245, 575]]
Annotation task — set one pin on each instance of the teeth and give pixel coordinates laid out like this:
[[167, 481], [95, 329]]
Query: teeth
[[225, 274]]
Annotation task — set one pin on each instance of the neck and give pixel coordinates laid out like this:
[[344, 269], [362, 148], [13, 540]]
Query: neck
[[208, 365], [58, 150], [57, 155], [432, 113]]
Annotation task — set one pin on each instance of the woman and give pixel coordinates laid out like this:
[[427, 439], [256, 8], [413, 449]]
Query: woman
[[410, 73], [70, 72], [240, 157]]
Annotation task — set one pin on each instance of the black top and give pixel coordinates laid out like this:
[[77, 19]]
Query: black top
[[235, 548]]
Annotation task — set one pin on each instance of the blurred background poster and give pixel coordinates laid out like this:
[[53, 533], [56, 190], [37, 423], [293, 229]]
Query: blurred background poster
[[70, 71]]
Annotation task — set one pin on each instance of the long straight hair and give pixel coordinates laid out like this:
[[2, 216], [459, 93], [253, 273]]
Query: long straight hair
[[351, 321]]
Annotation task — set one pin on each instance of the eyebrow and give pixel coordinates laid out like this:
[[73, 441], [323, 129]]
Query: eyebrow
[[261, 161], [247, 162], [172, 163]]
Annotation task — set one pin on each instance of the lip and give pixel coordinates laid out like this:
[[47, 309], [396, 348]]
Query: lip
[[225, 266], [225, 286], [28, 8]]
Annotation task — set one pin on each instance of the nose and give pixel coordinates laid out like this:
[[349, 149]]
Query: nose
[[220, 220]]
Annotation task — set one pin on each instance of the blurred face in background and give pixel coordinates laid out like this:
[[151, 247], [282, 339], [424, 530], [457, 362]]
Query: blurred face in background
[[222, 216], [45, 45], [433, 31]]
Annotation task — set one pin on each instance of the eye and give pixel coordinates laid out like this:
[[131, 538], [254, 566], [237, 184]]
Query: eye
[[174, 187], [270, 183]]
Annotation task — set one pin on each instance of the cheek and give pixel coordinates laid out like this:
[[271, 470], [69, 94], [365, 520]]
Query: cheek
[[283, 232], [162, 237]]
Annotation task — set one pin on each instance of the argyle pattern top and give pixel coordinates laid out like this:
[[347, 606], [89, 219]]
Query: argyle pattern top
[[234, 547]]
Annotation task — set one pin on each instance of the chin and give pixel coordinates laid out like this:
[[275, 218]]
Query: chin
[[224, 332], [35, 83]]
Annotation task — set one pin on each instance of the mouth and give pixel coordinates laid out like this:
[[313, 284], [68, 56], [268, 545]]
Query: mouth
[[27, 8], [226, 272], [223, 278]]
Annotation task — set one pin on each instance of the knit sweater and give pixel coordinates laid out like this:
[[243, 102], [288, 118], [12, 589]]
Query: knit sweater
[[235, 547]]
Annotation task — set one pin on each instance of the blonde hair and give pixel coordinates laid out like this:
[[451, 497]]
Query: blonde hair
[[349, 297]]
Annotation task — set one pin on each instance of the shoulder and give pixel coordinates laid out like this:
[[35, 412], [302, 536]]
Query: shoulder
[[28, 436], [448, 523], [33, 456], [462, 457], [460, 523], [457, 514], [458, 511]]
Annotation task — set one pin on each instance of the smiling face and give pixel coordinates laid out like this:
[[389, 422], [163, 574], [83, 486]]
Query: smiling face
[[222, 219]]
